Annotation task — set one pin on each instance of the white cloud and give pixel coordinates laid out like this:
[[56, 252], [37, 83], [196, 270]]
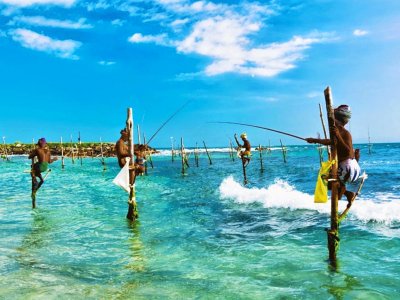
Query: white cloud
[[33, 40], [106, 63], [227, 42], [102, 4], [226, 34], [118, 22], [25, 3], [41, 21], [179, 22], [160, 39], [360, 32], [315, 94]]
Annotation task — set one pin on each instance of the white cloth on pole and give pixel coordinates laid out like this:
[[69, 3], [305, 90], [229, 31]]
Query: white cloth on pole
[[122, 178]]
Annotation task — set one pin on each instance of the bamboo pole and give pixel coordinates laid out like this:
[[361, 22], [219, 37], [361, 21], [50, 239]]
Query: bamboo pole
[[231, 151], [103, 161], [138, 134], [72, 150], [5, 149], [320, 151], [369, 143], [261, 158], [182, 157], [323, 128], [196, 155], [80, 147], [244, 172], [283, 151], [172, 149], [132, 208], [62, 154], [333, 232], [208, 154]]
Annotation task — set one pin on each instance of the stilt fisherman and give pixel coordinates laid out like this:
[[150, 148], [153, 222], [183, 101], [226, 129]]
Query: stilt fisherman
[[41, 165], [245, 154], [348, 170]]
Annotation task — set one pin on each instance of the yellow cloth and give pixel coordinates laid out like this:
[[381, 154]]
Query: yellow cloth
[[321, 188]]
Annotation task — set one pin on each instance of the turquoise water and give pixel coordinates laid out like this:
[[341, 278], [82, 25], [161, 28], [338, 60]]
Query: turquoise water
[[202, 235]]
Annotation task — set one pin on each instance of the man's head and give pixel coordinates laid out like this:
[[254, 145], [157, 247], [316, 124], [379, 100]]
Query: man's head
[[243, 136], [42, 142], [124, 134], [342, 113]]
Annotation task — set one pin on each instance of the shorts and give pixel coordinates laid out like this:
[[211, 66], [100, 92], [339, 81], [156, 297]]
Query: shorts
[[349, 172]]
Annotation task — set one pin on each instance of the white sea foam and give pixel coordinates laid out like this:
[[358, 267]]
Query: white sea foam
[[281, 194]]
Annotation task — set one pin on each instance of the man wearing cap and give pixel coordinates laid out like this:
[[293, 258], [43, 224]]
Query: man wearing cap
[[43, 160], [245, 154], [348, 170]]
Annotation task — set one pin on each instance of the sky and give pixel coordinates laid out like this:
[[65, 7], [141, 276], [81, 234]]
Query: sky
[[75, 66]]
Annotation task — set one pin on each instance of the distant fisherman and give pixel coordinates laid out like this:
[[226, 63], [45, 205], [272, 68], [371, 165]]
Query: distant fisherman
[[43, 160], [348, 170], [140, 159], [245, 154]]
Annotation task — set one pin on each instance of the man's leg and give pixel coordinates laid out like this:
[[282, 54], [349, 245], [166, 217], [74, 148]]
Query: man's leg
[[34, 181], [41, 181], [350, 197]]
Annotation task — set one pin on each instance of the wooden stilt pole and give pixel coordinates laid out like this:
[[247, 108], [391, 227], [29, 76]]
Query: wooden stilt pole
[[283, 151], [138, 134], [80, 147], [132, 209], [208, 154], [5, 149], [72, 150], [333, 232], [244, 172], [261, 158], [323, 128], [62, 154], [172, 149], [369, 143], [182, 157], [103, 161], [231, 151], [196, 155]]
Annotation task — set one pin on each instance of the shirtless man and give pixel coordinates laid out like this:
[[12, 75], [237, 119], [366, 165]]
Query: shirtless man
[[348, 170], [122, 151], [43, 160], [121, 148], [140, 160], [245, 154]]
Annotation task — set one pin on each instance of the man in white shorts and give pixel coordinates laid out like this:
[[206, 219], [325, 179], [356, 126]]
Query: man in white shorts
[[348, 170]]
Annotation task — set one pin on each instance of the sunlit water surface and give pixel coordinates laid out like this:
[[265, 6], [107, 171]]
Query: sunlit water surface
[[201, 235]]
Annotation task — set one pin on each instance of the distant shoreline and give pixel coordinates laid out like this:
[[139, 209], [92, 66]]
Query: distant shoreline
[[81, 150]]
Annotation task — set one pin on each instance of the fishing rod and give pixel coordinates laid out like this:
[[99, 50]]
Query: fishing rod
[[169, 119], [265, 128]]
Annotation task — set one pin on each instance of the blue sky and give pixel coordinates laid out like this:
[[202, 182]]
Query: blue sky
[[70, 66]]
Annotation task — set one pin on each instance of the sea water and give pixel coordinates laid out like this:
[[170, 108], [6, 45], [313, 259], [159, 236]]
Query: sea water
[[200, 235]]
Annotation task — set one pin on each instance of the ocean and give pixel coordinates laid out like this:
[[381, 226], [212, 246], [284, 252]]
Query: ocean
[[201, 235]]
